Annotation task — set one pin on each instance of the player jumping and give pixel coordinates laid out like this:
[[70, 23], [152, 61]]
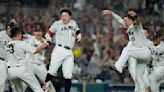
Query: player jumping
[[66, 33], [136, 52]]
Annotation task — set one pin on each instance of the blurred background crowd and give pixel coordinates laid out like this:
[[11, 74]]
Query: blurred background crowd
[[103, 38]]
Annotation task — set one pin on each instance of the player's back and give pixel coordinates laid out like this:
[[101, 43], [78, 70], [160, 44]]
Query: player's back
[[16, 52]]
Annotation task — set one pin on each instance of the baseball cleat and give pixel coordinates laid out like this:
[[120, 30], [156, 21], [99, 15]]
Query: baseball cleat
[[118, 67]]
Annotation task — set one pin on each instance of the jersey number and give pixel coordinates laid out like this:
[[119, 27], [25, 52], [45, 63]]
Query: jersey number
[[10, 49]]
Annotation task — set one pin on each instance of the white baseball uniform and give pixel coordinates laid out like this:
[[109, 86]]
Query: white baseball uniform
[[17, 65], [4, 39], [136, 53], [148, 69], [27, 37], [65, 35], [157, 74], [35, 62]]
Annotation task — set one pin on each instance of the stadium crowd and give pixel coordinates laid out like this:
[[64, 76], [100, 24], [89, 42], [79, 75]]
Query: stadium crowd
[[103, 38]]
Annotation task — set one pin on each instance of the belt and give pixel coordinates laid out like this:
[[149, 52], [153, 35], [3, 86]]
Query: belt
[[2, 59], [12, 66], [66, 47], [161, 54]]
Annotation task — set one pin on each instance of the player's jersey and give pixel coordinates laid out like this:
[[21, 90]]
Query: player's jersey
[[37, 57], [4, 39], [158, 54], [136, 36], [16, 52], [64, 33], [135, 33]]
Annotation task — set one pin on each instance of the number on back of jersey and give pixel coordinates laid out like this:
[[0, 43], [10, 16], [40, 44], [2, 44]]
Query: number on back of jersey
[[10, 48]]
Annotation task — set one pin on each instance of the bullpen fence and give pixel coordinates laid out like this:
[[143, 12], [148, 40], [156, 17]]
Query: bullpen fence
[[104, 87]]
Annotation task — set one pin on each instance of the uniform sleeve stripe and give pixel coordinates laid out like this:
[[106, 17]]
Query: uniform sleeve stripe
[[50, 33]]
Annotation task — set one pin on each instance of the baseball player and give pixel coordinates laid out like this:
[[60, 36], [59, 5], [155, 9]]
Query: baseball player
[[149, 65], [66, 33], [136, 52], [17, 63], [157, 75], [36, 61], [4, 39]]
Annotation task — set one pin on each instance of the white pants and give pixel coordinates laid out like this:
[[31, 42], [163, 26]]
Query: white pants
[[41, 72], [18, 85], [3, 75], [137, 59], [146, 77], [156, 78], [137, 72], [22, 74], [61, 56], [142, 54], [146, 80], [38, 69]]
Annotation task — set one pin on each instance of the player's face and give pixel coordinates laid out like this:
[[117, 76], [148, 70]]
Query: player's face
[[128, 21], [156, 42], [38, 34], [20, 36], [65, 17]]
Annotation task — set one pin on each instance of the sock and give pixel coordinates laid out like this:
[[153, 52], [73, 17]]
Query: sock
[[49, 77], [67, 85]]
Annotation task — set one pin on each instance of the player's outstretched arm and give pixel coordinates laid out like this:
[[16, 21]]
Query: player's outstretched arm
[[106, 12], [115, 16], [43, 46], [51, 31]]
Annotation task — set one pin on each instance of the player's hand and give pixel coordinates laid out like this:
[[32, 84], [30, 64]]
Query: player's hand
[[106, 12], [132, 13], [48, 38], [13, 21], [78, 37]]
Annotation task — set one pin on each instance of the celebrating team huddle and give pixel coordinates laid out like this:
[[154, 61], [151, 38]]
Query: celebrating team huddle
[[22, 55]]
